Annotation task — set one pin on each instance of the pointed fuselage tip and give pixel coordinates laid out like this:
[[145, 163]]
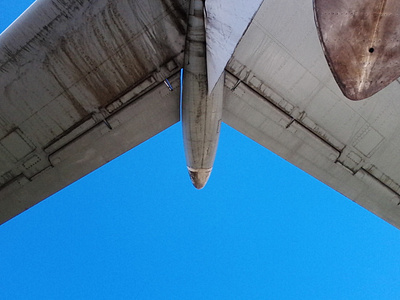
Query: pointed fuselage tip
[[199, 177]]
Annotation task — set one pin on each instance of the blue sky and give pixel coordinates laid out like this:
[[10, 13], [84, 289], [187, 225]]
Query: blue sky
[[137, 229]]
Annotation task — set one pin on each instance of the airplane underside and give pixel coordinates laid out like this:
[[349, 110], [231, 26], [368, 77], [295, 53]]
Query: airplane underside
[[82, 82], [361, 42], [201, 104]]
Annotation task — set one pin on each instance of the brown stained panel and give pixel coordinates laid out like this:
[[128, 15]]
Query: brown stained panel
[[361, 42]]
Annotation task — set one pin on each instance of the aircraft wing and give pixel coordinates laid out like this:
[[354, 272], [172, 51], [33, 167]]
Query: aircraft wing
[[280, 92], [68, 105], [82, 82]]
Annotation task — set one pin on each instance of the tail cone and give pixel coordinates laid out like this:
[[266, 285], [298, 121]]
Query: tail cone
[[199, 177]]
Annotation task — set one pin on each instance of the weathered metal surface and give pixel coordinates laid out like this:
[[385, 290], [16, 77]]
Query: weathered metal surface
[[282, 95], [131, 125], [361, 41], [227, 20], [201, 108], [279, 91], [67, 67]]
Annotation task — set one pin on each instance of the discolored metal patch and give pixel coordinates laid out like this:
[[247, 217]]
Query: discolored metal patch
[[361, 42]]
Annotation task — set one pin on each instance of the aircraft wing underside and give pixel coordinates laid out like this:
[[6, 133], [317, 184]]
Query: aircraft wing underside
[[80, 84], [70, 105], [281, 93]]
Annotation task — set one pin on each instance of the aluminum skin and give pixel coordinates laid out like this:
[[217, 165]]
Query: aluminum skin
[[201, 108], [361, 42]]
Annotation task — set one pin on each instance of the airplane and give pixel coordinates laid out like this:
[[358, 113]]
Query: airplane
[[81, 83]]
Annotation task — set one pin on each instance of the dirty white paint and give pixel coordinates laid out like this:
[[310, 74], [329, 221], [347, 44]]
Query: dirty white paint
[[278, 90], [288, 101], [227, 20], [67, 69]]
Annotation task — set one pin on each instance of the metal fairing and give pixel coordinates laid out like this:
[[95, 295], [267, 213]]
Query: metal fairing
[[361, 42]]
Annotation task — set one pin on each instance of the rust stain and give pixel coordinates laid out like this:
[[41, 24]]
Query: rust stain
[[179, 13], [361, 42], [90, 53], [125, 46]]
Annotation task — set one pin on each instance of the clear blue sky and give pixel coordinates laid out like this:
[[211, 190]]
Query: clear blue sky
[[137, 229]]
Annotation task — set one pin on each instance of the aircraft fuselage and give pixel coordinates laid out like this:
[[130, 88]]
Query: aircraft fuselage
[[201, 107]]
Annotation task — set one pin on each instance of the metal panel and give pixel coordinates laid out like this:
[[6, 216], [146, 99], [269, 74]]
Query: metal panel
[[291, 139], [67, 68], [280, 59], [17, 144], [131, 125], [225, 24], [361, 43]]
